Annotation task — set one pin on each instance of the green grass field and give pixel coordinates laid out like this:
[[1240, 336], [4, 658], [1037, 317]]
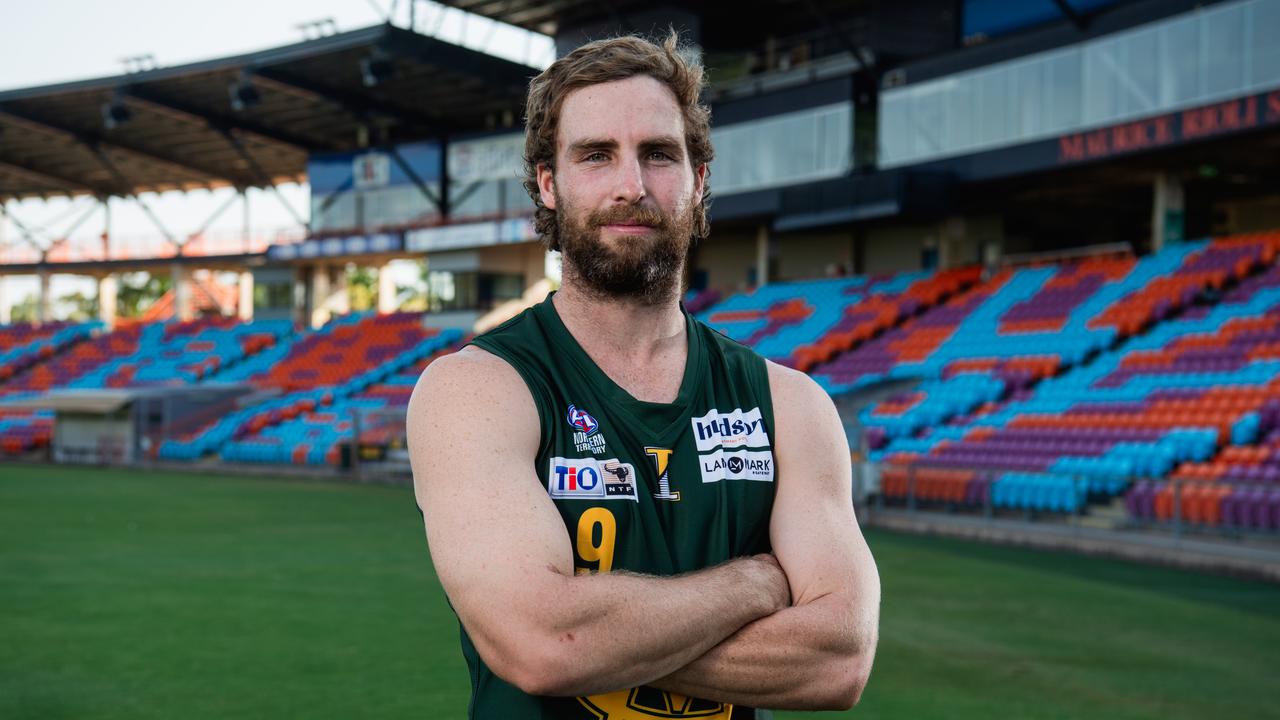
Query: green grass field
[[128, 594]]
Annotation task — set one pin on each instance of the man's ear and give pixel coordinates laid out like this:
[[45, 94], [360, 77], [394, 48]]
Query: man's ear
[[547, 186], [699, 182]]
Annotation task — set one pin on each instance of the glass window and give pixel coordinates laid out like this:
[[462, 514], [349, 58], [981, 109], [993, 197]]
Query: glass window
[[470, 290], [1065, 91], [1264, 39], [962, 99], [784, 149], [927, 120], [895, 127], [1223, 57], [993, 104], [485, 177], [1180, 61], [1101, 71], [1029, 98], [1138, 83], [273, 295], [339, 215]]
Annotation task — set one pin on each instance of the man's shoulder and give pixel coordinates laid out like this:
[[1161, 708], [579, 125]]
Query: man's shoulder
[[795, 392], [463, 378]]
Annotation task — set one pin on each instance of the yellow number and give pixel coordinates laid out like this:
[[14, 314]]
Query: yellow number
[[588, 549]]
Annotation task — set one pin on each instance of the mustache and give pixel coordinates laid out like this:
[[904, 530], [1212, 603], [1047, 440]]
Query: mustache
[[628, 215]]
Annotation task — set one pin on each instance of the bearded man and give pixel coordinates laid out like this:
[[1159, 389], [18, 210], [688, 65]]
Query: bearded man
[[632, 515]]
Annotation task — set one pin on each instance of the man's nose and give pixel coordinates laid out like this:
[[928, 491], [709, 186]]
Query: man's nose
[[629, 183]]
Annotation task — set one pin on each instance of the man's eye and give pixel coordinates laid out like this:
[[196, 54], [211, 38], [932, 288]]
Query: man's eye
[[596, 157], [660, 156]]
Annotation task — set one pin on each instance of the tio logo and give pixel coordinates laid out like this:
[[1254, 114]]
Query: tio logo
[[571, 479]]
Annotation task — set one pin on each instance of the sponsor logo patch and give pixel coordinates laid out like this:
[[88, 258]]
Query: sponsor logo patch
[[736, 465], [737, 429], [589, 478]]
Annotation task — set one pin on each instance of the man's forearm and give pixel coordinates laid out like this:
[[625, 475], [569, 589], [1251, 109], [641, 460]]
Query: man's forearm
[[808, 657], [619, 630]]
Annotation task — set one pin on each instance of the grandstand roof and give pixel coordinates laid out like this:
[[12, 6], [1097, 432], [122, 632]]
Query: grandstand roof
[[903, 27], [176, 127], [752, 17]]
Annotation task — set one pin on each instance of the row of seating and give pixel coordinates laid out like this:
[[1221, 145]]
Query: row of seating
[[1248, 507], [132, 355], [315, 436], [801, 324], [970, 487], [357, 355], [1075, 400], [24, 344]]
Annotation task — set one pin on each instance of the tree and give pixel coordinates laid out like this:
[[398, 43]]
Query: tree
[[25, 310], [82, 307], [138, 291], [413, 297], [362, 287]]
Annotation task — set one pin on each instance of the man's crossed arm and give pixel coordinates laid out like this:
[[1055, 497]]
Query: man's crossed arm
[[817, 653], [798, 631]]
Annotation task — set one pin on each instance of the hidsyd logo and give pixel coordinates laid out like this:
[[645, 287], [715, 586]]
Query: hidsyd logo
[[735, 429]]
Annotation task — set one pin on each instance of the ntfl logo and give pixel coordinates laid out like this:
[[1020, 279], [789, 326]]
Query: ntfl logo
[[582, 421]]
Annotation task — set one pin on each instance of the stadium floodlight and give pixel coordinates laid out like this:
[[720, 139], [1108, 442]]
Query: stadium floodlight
[[375, 68], [115, 113], [243, 94]]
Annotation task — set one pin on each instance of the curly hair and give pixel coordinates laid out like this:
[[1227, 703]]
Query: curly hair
[[605, 61]]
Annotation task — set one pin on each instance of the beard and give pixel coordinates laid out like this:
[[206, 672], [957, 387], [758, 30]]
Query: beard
[[646, 269]]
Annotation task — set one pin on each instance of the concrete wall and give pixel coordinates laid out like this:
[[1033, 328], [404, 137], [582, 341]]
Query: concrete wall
[[957, 241], [728, 259], [527, 259], [1251, 215], [894, 249], [804, 256]]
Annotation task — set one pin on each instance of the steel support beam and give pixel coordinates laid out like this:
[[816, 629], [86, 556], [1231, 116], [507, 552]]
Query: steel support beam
[[93, 140], [263, 178], [1071, 14], [155, 102], [359, 106], [47, 176]]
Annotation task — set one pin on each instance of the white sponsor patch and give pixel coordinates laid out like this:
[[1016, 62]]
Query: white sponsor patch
[[735, 429], [736, 465], [589, 478]]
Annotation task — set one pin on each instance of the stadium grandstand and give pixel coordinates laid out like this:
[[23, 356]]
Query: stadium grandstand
[[1030, 248]]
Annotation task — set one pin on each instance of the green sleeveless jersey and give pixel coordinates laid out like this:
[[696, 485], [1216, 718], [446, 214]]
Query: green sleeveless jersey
[[646, 487]]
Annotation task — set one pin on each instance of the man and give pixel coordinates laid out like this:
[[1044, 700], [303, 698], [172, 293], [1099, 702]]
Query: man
[[633, 516]]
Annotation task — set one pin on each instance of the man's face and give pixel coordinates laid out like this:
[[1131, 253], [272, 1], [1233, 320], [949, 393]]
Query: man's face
[[623, 189]]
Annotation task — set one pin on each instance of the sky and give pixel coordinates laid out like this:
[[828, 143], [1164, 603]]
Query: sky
[[63, 40]]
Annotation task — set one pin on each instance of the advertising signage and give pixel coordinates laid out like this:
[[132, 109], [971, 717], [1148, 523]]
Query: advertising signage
[[342, 246], [1198, 123]]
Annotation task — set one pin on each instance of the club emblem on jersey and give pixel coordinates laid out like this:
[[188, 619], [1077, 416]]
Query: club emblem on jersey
[[582, 421], [661, 461], [646, 702], [587, 437]]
